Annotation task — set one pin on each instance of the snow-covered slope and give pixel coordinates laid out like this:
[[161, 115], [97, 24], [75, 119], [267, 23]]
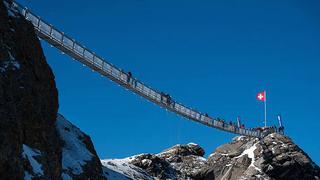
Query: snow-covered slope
[[79, 159], [74, 153], [30, 155], [122, 169]]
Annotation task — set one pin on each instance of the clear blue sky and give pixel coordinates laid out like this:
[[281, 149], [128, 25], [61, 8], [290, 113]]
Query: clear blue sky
[[211, 55]]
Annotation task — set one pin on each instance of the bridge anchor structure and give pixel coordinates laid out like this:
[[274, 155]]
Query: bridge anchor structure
[[77, 51]]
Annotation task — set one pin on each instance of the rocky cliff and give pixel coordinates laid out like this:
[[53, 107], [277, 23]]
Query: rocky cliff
[[33, 144], [273, 157], [28, 101]]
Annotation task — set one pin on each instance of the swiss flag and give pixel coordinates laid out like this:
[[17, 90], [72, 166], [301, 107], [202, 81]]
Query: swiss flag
[[261, 96]]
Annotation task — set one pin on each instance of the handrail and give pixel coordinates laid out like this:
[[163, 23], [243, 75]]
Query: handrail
[[87, 57]]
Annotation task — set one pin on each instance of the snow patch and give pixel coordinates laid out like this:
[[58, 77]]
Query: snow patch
[[29, 153], [121, 169], [223, 154], [193, 144], [146, 161], [12, 62], [250, 153], [74, 152], [238, 138], [199, 158]]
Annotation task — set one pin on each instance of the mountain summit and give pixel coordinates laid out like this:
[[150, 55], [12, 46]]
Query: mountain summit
[[273, 157]]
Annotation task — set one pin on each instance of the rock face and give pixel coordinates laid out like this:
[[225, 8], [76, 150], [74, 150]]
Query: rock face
[[28, 100], [273, 157], [32, 142], [178, 162]]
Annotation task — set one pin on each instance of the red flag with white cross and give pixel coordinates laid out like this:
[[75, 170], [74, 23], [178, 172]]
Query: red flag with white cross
[[261, 96]]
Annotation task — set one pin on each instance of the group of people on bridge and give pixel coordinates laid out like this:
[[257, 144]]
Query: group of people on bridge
[[164, 97], [271, 129], [167, 100]]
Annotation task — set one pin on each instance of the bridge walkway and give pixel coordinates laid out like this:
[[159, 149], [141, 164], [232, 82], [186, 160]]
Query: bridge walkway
[[87, 57]]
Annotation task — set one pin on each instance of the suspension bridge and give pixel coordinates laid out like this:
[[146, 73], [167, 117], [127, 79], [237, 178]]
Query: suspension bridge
[[77, 51]]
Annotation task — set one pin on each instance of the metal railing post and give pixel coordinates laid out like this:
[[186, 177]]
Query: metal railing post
[[73, 44], [50, 31], [93, 58], [62, 38]]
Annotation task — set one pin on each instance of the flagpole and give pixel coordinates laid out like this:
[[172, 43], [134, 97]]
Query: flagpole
[[265, 108]]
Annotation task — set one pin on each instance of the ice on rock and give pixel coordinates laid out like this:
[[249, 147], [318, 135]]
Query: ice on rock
[[30, 154], [11, 62]]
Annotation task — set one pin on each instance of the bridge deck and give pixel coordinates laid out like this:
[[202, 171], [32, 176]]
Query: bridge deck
[[78, 52]]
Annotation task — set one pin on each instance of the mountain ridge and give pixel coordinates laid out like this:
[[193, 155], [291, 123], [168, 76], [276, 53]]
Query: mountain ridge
[[273, 157]]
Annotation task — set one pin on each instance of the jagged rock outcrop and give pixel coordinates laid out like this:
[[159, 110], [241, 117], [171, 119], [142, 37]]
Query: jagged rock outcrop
[[32, 142], [178, 162], [273, 157], [185, 159], [283, 159]]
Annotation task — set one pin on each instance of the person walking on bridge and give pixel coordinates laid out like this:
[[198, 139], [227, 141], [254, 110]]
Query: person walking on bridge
[[169, 100], [161, 96], [130, 79]]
